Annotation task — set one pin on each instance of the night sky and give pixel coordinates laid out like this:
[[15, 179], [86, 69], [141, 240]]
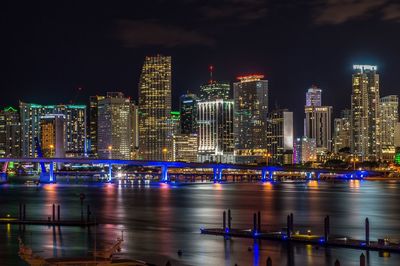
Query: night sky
[[49, 49]]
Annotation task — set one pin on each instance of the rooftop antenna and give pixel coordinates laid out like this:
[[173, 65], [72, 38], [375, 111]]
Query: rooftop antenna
[[211, 68]]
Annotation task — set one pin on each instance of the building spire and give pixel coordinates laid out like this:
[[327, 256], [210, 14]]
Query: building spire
[[211, 68]]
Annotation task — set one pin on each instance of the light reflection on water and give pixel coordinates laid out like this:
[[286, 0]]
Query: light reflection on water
[[159, 220]]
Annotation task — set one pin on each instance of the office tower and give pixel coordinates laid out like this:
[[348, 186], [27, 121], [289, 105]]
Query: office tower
[[52, 135], [93, 103], [114, 127], [365, 122], [188, 110], [313, 96], [397, 135], [215, 131], [215, 90], [184, 147], [75, 127], [318, 120], [155, 108], [341, 135], [280, 136], [174, 123], [305, 150], [10, 133], [250, 116], [135, 131], [389, 116]]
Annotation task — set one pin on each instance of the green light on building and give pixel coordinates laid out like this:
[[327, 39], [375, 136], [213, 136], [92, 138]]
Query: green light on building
[[10, 109], [397, 158]]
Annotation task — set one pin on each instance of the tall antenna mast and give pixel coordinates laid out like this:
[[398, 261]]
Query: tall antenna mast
[[211, 68]]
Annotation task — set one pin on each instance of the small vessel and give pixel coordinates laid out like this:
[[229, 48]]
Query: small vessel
[[104, 257]]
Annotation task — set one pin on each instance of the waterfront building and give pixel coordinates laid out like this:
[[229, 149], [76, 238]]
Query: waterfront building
[[52, 135], [184, 147], [318, 120], [93, 110], [135, 131], [10, 133], [280, 136], [314, 96], [389, 115], [305, 150], [341, 135], [365, 114], [188, 111], [250, 117], [155, 108], [114, 127], [75, 127]]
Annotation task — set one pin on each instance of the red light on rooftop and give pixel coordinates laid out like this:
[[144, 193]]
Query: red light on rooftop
[[250, 77]]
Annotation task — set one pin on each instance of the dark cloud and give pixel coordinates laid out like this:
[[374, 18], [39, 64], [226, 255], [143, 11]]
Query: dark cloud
[[336, 12], [136, 33]]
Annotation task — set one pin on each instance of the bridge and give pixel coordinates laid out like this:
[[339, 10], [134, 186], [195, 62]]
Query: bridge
[[264, 172]]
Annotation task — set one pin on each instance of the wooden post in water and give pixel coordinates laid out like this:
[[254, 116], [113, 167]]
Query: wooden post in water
[[254, 223], [269, 262], [288, 226], [58, 213], [229, 220], [367, 231], [54, 212], [224, 220], [259, 222], [337, 263], [291, 222], [362, 259]]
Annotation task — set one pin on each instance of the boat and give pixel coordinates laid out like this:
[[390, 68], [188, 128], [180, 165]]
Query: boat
[[103, 257]]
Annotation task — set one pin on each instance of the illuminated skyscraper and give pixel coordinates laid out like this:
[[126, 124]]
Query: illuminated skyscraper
[[305, 150], [135, 131], [215, 90], [184, 147], [341, 135], [188, 109], [389, 115], [155, 108], [114, 127], [93, 103], [365, 114], [10, 133], [313, 96], [52, 135], [75, 127], [280, 136], [318, 126], [397, 135], [250, 114]]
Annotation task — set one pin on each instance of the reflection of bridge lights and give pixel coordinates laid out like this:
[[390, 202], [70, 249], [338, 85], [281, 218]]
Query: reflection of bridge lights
[[268, 185], [164, 185], [354, 183], [312, 183], [218, 186]]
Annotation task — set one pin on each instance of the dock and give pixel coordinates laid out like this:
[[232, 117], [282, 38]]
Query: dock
[[290, 235]]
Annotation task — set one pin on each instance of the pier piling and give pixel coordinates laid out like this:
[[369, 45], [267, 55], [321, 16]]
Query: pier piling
[[259, 222], [224, 220], [229, 220], [54, 212], [58, 213], [254, 223], [269, 261], [337, 263], [291, 222], [367, 231], [362, 259], [288, 226]]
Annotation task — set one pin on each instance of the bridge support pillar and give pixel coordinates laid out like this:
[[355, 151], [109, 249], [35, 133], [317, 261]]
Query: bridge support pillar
[[217, 174], [48, 177], [164, 174], [264, 175], [271, 175], [109, 172]]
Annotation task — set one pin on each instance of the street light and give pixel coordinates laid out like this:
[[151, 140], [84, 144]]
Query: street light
[[354, 160], [109, 151], [164, 151], [267, 156], [51, 146]]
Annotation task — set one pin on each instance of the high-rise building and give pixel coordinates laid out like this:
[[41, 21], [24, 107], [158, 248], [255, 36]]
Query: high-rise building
[[215, 123], [52, 135], [341, 135], [318, 126], [305, 150], [250, 117], [188, 110], [313, 96], [389, 115], [75, 127], [365, 114], [174, 123], [215, 90], [397, 135], [93, 103], [135, 131], [114, 127], [155, 108], [280, 136], [184, 147], [10, 133]]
